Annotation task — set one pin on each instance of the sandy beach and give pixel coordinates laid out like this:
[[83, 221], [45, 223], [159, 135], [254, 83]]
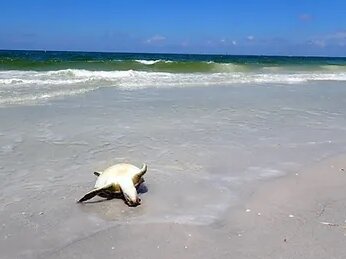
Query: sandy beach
[[221, 180], [298, 216]]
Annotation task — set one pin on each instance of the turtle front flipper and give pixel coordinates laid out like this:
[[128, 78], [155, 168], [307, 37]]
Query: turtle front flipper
[[95, 192], [138, 178], [97, 173]]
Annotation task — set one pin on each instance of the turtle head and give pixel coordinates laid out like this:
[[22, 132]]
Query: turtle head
[[132, 201], [130, 194]]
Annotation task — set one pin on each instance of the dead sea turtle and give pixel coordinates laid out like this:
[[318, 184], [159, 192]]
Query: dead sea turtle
[[116, 181]]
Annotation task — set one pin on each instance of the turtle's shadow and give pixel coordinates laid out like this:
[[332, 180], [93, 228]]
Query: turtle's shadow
[[142, 188]]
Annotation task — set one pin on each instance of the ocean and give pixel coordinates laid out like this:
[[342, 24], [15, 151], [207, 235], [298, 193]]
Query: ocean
[[37, 76], [211, 128]]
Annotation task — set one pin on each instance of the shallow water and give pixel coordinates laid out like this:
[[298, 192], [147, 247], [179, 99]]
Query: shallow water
[[206, 150]]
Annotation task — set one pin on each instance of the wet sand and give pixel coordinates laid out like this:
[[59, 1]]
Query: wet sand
[[298, 216], [212, 154]]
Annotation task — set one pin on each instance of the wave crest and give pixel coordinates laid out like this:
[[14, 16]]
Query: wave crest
[[30, 86]]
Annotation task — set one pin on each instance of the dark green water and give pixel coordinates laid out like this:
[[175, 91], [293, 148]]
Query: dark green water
[[36, 76], [173, 63]]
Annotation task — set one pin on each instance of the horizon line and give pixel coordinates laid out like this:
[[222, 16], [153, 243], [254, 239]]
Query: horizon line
[[174, 53]]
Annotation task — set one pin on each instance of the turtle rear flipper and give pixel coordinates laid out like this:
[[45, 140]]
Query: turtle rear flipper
[[95, 192]]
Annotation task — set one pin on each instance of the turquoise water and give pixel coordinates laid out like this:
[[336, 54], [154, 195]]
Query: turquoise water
[[30, 77]]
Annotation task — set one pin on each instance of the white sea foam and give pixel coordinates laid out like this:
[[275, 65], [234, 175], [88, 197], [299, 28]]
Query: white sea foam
[[27, 86], [151, 62]]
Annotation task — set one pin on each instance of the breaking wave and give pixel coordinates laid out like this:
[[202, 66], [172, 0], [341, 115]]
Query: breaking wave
[[31, 86], [34, 76]]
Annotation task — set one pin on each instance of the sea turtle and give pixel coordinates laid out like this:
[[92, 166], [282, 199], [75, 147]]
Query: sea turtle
[[120, 180]]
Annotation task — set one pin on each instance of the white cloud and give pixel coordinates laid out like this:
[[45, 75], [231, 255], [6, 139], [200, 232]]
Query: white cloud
[[338, 38], [334, 39], [318, 43], [209, 42], [250, 37], [341, 35], [228, 42], [156, 39]]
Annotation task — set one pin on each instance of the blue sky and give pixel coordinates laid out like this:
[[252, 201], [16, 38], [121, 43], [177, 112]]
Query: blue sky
[[274, 27]]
